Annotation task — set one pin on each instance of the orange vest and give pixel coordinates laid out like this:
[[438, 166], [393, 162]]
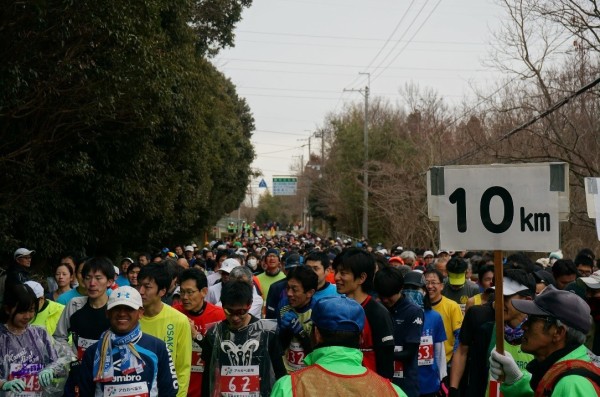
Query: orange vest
[[317, 381]]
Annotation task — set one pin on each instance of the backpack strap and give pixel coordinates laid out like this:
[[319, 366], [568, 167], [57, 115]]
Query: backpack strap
[[566, 368]]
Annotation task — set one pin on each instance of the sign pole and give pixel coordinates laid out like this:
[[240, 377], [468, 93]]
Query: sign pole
[[499, 301]]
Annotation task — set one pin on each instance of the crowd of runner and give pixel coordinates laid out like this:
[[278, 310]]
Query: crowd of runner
[[289, 315]]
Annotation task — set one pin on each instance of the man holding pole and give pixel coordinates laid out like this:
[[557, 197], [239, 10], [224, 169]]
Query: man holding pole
[[555, 330]]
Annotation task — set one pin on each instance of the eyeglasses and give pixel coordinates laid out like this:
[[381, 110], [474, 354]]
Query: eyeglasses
[[238, 312], [188, 292]]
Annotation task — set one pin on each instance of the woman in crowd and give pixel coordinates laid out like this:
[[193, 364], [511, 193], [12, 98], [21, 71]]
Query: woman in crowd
[[28, 360], [63, 274]]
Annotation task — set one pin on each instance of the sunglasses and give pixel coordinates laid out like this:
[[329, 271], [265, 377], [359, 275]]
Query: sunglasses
[[238, 312]]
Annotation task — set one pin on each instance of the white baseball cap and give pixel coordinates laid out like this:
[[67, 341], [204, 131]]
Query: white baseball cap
[[36, 287], [188, 248], [229, 264], [23, 252], [127, 296]]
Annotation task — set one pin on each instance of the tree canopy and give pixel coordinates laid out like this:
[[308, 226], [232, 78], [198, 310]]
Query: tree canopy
[[117, 133]]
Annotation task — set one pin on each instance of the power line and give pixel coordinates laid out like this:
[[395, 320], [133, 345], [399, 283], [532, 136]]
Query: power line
[[292, 97], [387, 41], [403, 48], [272, 144], [531, 121], [295, 43], [404, 34], [429, 75], [346, 65], [280, 132], [358, 38]]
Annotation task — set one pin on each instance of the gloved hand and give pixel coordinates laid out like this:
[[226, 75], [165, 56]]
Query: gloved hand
[[291, 322], [453, 392], [45, 377], [15, 385], [504, 365]]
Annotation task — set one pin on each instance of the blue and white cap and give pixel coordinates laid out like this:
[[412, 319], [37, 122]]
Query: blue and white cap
[[127, 296]]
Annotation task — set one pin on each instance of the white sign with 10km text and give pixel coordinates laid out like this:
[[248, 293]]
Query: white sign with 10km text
[[499, 207]]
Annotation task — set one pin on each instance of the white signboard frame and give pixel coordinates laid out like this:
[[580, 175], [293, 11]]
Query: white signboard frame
[[285, 185], [508, 207], [592, 198]]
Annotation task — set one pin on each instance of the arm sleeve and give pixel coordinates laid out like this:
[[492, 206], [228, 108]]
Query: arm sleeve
[[207, 351], [61, 333], [183, 362], [440, 358], [383, 344], [166, 378], [384, 360], [409, 350], [276, 357]]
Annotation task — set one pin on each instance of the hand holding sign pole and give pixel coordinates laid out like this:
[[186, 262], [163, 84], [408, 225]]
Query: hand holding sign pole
[[500, 207]]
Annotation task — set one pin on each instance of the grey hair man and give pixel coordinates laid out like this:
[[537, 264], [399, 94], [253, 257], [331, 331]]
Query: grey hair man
[[241, 273], [556, 328]]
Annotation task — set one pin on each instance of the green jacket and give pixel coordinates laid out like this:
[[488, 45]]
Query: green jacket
[[337, 359], [571, 386]]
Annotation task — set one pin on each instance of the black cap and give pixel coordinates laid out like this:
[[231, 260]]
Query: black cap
[[562, 305], [414, 278], [456, 265], [292, 260]]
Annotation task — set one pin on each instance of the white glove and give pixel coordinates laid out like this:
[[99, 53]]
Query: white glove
[[504, 365]]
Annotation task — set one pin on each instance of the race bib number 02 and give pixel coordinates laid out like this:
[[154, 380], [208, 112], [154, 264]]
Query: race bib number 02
[[240, 381], [197, 363]]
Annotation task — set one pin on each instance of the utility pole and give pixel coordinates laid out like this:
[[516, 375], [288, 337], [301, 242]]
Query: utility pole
[[365, 218]]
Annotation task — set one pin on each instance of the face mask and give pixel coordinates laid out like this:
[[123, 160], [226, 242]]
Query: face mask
[[252, 262], [514, 335], [414, 296]]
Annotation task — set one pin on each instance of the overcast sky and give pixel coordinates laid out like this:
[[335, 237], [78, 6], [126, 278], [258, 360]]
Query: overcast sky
[[293, 59]]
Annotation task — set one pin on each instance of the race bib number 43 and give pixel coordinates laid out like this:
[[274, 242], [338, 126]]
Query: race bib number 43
[[29, 374], [240, 381]]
